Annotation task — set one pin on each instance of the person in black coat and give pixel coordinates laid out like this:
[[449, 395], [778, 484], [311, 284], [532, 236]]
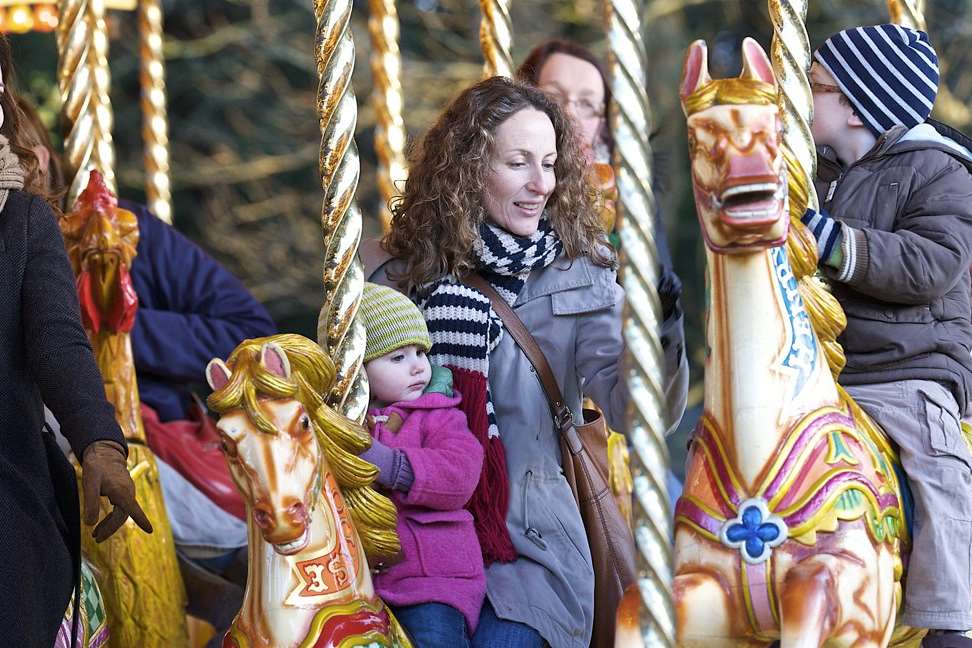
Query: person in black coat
[[45, 358]]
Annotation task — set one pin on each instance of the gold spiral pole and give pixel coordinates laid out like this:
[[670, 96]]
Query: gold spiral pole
[[386, 71], [84, 82], [631, 124], [155, 122], [339, 333], [910, 13], [496, 38], [791, 56]]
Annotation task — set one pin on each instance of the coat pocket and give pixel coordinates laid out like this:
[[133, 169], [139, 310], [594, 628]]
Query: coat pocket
[[885, 206], [446, 544], [943, 429], [552, 521]]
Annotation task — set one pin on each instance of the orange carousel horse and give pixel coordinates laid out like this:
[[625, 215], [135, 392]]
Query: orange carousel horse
[[791, 524], [313, 518]]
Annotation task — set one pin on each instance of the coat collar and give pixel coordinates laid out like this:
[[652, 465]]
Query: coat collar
[[570, 284], [900, 139], [563, 274]]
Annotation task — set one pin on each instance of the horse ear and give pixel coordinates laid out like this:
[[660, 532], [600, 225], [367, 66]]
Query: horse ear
[[274, 360], [695, 70], [756, 65], [217, 374]]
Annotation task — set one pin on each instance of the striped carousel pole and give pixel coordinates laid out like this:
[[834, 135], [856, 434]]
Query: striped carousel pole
[[909, 13], [84, 82], [791, 56], [496, 38], [155, 122], [386, 72], [630, 125], [339, 332]]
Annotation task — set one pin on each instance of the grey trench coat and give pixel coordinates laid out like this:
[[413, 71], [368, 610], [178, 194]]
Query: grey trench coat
[[573, 310]]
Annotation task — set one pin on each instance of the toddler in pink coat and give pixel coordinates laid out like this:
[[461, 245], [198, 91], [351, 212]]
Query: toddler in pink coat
[[430, 462]]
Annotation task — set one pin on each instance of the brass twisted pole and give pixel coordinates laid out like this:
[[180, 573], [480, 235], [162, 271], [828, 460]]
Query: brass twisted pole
[[791, 56], [496, 38], [104, 149], [339, 333], [910, 13], [155, 123], [386, 71], [631, 124], [84, 82]]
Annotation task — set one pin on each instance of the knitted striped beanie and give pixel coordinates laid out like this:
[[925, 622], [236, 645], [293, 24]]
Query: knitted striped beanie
[[391, 321], [888, 72]]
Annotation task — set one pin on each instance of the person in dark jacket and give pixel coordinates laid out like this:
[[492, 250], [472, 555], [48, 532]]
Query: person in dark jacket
[[190, 310], [46, 359], [894, 234]]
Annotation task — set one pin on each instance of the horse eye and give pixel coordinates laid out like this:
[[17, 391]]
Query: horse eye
[[305, 423]]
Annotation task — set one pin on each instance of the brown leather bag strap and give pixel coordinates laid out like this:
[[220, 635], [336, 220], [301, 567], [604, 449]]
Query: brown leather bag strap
[[562, 416]]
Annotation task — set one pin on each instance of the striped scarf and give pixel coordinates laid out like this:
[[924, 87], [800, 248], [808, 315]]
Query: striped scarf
[[464, 330]]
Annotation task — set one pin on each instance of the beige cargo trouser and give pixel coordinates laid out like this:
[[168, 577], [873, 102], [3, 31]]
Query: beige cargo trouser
[[922, 417]]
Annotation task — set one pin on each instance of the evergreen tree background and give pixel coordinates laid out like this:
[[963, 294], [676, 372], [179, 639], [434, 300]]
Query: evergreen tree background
[[242, 79]]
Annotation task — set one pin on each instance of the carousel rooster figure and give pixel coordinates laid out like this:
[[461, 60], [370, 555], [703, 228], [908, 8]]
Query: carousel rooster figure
[[138, 573]]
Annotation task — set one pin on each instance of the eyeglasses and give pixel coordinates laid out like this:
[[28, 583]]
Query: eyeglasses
[[824, 88], [583, 108]]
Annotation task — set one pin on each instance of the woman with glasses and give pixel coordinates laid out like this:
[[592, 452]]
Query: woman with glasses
[[575, 78]]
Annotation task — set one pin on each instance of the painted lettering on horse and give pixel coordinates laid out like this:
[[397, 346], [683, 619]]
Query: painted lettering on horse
[[800, 349], [329, 572]]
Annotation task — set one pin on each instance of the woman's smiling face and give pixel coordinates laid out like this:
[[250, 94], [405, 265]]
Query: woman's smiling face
[[521, 176]]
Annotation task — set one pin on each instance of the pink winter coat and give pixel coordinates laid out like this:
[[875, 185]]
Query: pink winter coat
[[442, 561]]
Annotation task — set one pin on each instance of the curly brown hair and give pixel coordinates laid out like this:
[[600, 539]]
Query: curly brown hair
[[13, 127], [35, 130], [435, 223]]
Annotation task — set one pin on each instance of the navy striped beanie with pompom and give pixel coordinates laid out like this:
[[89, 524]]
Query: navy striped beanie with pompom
[[888, 72]]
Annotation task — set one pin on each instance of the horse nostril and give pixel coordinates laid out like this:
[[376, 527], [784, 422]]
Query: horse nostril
[[296, 511], [263, 519]]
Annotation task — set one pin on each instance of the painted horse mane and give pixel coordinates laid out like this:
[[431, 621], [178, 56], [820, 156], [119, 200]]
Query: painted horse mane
[[341, 440]]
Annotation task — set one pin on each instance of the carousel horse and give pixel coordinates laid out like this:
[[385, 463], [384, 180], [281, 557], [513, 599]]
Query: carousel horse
[[313, 517], [791, 524], [137, 573]]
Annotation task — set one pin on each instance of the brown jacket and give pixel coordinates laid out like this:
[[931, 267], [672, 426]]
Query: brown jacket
[[907, 211]]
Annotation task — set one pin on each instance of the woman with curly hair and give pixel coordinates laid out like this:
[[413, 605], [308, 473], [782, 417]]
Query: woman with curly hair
[[498, 186]]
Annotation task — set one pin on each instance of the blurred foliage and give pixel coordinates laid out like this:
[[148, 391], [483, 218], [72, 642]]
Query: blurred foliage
[[244, 133]]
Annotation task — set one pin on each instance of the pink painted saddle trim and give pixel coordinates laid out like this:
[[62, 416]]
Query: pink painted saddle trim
[[797, 450], [726, 478]]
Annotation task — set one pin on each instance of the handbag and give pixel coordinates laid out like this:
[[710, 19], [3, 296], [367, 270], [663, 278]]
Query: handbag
[[585, 465]]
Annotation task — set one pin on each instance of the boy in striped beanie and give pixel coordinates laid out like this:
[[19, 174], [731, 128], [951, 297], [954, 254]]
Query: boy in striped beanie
[[894, 235]]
